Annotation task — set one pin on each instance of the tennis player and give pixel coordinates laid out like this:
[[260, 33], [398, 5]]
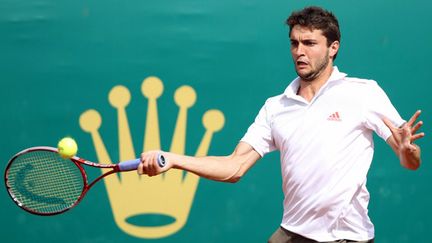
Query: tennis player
[[322, 124]]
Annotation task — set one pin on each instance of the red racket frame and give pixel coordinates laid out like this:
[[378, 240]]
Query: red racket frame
[[77, 161]]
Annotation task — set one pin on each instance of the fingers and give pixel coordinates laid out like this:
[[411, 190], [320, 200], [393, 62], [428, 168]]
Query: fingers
[[405, 134], [149, 164], [417, 126], [152, 165], [417, 136], [414, 118], [410, 124], [143, 166]]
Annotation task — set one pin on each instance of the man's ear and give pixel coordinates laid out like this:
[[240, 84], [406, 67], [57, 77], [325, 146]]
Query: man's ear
[[333, 49]]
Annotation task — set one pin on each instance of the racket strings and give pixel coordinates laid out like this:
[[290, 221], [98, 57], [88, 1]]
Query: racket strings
[[43, 182]]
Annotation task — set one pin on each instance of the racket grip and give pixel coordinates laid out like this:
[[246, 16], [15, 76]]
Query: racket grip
[[133, 164]]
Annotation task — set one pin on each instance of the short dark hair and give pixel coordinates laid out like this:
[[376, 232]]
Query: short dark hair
[[316, 18]]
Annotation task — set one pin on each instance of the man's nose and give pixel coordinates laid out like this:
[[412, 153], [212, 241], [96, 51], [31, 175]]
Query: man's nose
[[299, 50]]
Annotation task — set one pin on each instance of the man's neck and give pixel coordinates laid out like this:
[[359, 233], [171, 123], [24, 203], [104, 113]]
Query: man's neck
[[308, 89]]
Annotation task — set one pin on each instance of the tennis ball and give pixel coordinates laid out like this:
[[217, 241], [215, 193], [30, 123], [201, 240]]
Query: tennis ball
[[67, 147]]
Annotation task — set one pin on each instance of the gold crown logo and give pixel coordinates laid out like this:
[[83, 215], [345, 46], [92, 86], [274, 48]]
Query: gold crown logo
[[171, 194]]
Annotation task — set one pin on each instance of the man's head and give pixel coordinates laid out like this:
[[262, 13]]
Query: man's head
[[316, 18], [315, 37]]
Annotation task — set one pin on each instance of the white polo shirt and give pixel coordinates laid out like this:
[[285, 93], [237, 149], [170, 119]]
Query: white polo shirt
[[326, 149]]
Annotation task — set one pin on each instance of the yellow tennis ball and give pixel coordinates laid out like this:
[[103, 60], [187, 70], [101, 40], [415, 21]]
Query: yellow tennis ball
[[67, 147]]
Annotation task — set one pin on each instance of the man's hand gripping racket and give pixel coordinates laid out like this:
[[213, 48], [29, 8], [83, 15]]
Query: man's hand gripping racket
[[41, 182]]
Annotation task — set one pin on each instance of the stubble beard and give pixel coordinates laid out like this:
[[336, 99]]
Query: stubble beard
[[313, 74]]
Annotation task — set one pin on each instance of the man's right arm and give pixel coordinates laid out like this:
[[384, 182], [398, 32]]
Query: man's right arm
[[219, 168]]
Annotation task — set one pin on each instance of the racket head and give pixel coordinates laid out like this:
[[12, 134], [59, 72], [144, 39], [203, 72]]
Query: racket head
[[41, 182]]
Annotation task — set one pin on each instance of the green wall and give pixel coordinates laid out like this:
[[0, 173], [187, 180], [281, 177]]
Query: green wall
[[60, 58]]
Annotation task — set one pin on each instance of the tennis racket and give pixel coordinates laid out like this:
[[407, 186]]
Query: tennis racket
[[41, 182]]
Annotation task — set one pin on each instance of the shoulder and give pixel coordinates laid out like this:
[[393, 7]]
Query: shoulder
[[275, 99], [360, 84], [272, 105], [360, 81], [275, 102], [367, 90]]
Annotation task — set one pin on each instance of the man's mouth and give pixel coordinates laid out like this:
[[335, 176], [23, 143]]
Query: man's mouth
[[301, 63]]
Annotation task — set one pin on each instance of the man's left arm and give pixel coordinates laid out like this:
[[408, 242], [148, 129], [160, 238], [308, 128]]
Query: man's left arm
[[402, 141]]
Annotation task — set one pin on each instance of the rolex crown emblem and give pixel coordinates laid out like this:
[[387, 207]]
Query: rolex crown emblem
[[171, 194]]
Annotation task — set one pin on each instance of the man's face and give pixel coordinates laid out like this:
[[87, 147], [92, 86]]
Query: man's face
[[310, 52]]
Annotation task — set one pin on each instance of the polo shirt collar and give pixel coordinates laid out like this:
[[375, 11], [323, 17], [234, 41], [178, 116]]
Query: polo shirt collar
[[291, 90]]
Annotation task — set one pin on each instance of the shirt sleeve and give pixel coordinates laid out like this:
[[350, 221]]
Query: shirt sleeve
[[379, 106], [259, 134]]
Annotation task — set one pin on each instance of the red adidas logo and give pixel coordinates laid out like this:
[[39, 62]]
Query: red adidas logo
[[334, 117]]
